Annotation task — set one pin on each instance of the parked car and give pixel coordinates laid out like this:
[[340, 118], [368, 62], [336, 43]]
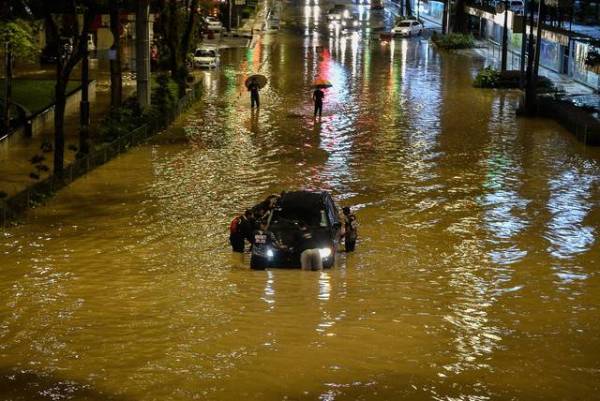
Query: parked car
[[376, 4], [338, 12], [206, 57], [352, 23], [315, 210], [213, 24], [408, 28], [517, 6]]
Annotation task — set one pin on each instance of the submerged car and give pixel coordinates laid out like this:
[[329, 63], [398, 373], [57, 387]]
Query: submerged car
[[206, 57], [296, 213], [408, 27]]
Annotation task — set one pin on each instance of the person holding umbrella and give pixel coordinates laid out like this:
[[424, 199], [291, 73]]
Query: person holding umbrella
[[254, 83], [319, 95], [254, 97]]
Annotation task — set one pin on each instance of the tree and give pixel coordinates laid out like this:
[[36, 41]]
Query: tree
[[71, 47], [116, 78], [177, 25], [460, 17], [17, 37]]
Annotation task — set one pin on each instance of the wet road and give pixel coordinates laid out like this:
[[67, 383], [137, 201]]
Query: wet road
[[475, 276]]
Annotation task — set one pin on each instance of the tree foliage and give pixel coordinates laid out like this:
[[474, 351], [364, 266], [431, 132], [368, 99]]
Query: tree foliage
[[177, 26], [19, 35]]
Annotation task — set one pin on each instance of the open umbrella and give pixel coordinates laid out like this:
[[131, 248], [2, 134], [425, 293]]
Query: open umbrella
[[261, 80], [321, 84]]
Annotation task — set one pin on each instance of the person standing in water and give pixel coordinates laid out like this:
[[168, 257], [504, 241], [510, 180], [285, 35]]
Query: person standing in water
[[318, 96], [350, 232], [253, 87]]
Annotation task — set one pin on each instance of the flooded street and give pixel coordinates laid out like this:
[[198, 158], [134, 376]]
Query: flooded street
[[475, 275]]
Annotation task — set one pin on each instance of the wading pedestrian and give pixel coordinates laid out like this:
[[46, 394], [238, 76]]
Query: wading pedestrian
[[318, 96]]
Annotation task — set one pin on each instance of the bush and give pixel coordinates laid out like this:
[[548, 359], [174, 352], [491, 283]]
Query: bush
[[490, 78], [121, 121], [487, 78], [127, 118], [163, 103], [454, 41]]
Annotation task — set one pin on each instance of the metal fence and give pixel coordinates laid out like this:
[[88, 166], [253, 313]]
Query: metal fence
[[36, 194]]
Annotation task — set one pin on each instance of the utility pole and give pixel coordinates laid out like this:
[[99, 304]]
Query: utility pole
[[530, 90], [230, 12], [538, 44], [142, 49], [523, 46], [505, 36], [446, 18]]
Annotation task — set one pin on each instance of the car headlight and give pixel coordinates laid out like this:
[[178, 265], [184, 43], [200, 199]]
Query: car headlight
[[343, 23], [269, 253], [325, 252], [355, 23]]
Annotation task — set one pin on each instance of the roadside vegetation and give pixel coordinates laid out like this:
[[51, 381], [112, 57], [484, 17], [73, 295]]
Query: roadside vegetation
[[35, 94], [453, 41], [491, 78]]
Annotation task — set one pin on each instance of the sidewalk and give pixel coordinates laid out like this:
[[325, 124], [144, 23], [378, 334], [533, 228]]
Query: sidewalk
[[17, 150], [491, 52]]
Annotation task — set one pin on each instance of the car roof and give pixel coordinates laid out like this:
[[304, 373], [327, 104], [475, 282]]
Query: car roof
[[207, 47], [302, 200]]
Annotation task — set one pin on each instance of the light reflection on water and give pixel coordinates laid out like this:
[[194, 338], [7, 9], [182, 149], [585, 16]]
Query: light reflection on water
[[475, 274]]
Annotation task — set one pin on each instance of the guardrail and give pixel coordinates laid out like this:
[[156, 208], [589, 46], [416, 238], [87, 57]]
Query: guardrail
[[15, 206]]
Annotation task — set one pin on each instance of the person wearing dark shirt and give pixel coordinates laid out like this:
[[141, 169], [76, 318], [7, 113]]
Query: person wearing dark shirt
[[253, 87], [318, 96], [310, 257], [350, 229], [240, 230]]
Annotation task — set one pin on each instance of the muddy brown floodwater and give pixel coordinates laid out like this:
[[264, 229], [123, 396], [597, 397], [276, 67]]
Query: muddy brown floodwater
[[475, 275]]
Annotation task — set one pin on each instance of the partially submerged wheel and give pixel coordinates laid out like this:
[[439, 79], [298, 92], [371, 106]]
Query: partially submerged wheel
[[258, 263]]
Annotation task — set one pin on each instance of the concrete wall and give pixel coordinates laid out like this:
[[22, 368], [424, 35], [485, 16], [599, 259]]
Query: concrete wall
[[45, 119]]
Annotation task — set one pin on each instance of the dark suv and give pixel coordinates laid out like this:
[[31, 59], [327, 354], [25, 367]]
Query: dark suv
[[282, 245]]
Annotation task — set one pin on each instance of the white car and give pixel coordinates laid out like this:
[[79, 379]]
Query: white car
[[206, 57], [517, 6], [213, 24], [352, 23], [338, 12], [407, 28]]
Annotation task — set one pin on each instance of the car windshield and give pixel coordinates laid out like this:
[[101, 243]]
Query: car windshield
[[205, 53], [404, 24], [516, 4], [312, 218]]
